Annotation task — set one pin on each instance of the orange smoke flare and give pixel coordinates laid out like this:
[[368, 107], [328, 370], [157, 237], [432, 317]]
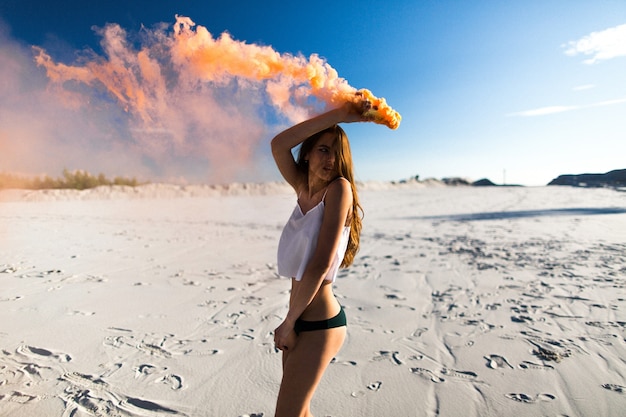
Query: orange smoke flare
[[380, 112], [214, 59], [137, 79]]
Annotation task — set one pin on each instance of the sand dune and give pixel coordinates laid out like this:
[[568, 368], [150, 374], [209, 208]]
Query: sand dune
[[161, 300]]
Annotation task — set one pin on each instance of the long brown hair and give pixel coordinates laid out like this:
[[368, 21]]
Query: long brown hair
[[345, 169]]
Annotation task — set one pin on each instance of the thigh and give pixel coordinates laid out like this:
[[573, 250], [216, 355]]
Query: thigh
[[304, 366]]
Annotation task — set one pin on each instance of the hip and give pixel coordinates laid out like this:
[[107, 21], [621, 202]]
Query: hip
[[338, 320], [323, 306]]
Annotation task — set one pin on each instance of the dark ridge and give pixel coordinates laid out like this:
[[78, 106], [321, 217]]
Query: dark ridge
[[614, 179]]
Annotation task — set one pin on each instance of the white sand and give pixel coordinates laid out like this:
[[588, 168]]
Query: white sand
[[160, 301]]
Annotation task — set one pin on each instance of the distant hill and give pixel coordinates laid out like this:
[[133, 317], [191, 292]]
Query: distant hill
[[616, 178], [454, 181], [485, 182]]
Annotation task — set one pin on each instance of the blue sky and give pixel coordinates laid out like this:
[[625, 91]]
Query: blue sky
[[513, 91]]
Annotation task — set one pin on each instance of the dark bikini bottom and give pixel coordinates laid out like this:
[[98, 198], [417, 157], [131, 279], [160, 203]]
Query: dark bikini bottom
[[308, 326]]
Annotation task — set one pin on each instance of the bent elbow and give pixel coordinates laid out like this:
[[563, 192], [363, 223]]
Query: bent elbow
[[319, 268], [277, 149]]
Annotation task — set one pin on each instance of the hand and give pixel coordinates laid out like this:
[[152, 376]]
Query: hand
[[353, 111], [285, 337]]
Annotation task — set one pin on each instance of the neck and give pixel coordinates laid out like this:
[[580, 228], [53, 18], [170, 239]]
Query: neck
[[316, 186]]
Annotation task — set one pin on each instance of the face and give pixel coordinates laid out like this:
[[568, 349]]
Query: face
[[323, 158]]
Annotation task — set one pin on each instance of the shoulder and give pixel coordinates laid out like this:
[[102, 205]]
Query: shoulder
[[340, 183], [339, 189]]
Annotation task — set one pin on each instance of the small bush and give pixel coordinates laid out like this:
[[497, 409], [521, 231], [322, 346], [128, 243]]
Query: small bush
[[77, 180]]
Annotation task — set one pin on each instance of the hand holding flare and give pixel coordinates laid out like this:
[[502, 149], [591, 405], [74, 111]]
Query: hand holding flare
[[380, 112]]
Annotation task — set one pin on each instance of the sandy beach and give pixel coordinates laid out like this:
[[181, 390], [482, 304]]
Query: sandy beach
[[463, 301]]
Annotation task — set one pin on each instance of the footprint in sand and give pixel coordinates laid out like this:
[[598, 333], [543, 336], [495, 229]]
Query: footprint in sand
[[80, 313], [96, 397], [615, 388], [8, 269], [391, 355], [111, 369], [532, 365], [426, 373], [138, 406], [497, 361], [459, 374], [419, 332], [144, 370], [84, 380], [252, 300], [522, 319], [154, 350], [374, 386], [174, 381], [550, 354], [19, 397], [244, 336], [524, 398], [204, 352], [39, 353], [394, 297], [15, 298], [43, 274], [349, 363], [114, 341]]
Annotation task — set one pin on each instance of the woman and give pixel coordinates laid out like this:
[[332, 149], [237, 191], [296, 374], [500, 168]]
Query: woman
[[321, 235]]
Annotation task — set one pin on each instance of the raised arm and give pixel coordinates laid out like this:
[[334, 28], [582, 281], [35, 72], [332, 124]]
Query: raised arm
[[288, 139]]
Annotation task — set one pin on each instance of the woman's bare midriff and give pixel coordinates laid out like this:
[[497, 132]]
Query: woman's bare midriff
[[323, 306]]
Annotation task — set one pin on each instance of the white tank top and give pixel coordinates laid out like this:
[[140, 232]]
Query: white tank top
[[299, 239]]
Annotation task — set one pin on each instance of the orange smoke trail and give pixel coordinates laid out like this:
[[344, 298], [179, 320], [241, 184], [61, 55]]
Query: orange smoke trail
[[294, 77], [137, 81], [179, 103]]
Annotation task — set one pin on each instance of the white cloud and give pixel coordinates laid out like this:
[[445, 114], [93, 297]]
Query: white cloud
[[608, 103], [543, 111], [584, 87], [607, 44]]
